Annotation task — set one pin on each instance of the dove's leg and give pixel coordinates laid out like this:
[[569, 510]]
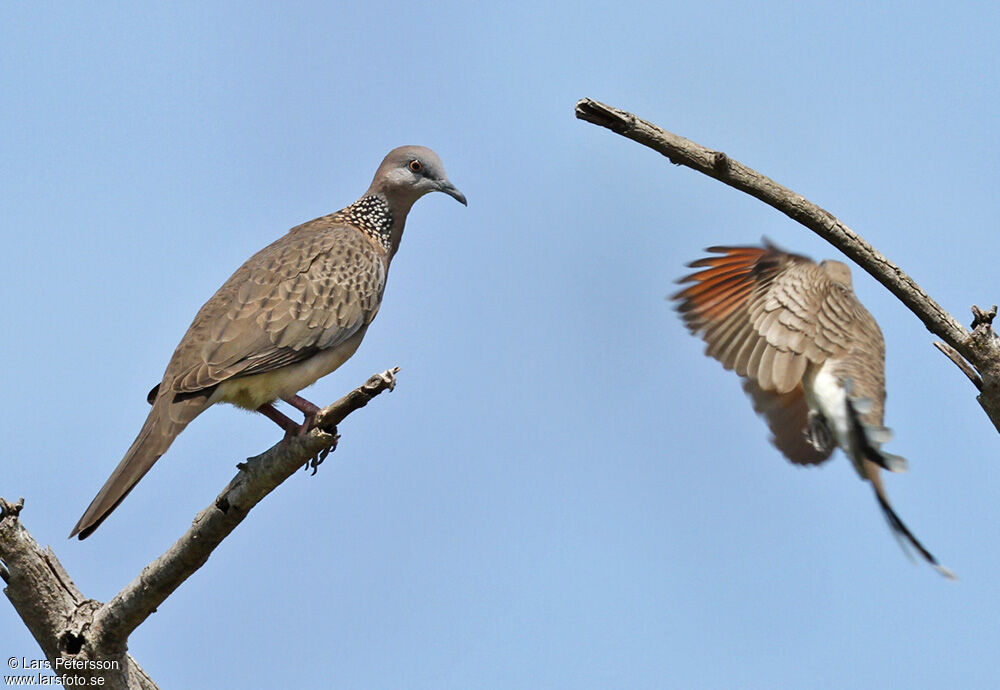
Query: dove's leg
[[309, 411], [306, 408], [272, 413]]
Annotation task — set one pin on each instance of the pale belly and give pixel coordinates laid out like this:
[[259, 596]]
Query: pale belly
[[825, 394], [253, 391]]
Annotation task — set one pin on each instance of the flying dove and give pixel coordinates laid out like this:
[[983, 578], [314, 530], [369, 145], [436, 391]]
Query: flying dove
[[294, 312], [811, 357]]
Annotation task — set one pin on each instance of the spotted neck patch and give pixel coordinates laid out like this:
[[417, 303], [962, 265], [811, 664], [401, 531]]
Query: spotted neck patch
[[372, 215]]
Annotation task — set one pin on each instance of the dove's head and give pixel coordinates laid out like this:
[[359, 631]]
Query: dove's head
[[408, 173], [837, 271]]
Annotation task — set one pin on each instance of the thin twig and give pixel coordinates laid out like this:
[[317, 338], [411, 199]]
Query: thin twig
[[961, 363]]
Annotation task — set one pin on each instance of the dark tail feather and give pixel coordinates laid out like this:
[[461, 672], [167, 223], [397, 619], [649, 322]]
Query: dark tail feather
[[903, 532], [153, 440], [863, 435], [871, 459]]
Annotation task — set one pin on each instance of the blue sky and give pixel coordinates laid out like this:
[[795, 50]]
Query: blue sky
[[562, 492]]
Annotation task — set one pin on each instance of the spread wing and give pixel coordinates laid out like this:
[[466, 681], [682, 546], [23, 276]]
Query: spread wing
[[765, 313], [308, 291]]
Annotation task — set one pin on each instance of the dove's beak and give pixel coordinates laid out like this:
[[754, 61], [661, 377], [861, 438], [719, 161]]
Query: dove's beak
[[452, 191]]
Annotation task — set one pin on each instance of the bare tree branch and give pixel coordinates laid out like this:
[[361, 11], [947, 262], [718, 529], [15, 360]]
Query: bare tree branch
[[981, 347], [72, 629], [55, 611], [950, 352]]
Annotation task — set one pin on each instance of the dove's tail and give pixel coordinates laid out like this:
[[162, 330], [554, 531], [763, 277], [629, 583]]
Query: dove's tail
[[899, 528], [166, 420]]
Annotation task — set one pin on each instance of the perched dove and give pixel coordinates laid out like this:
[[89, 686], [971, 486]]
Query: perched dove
[[294, 312], [811, 356]]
